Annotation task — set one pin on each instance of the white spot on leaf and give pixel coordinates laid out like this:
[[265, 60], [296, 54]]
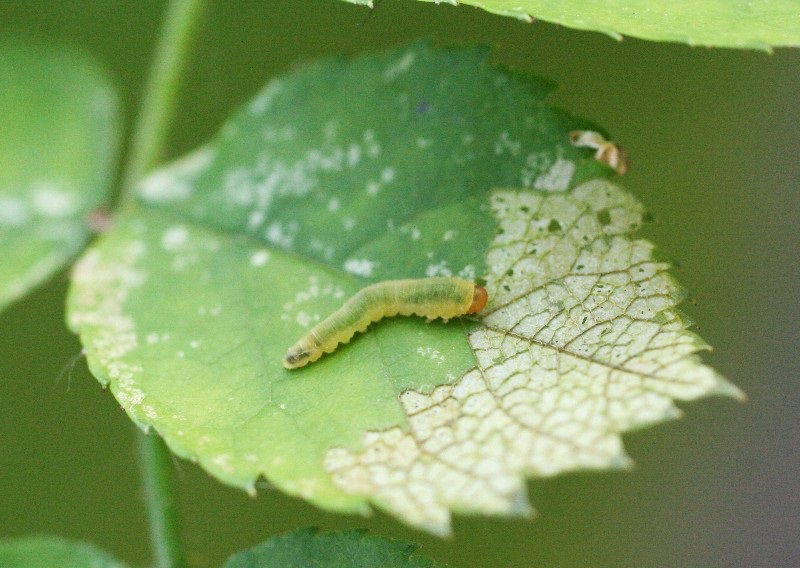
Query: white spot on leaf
[[102, 282], [174, 182], [400, 66], [13, 212], [353, 155], [51, 200], [388, 175], [433, 354], [438, 269], [558, 177], [278, 235], [259, 258], [371, 144], [506, 145], [360, 266], [174, 238]]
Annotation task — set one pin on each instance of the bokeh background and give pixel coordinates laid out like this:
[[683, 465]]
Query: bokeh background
[[714, 139]]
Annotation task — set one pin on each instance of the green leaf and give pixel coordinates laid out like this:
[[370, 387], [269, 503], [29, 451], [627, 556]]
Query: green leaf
[[339, 175], [718, 23], [58, 135], [346, 549], [53, 552]]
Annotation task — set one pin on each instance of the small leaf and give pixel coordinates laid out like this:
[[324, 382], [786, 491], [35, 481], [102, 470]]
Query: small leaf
[[720, 23], [58, 132], [304, 548], [53, 552]]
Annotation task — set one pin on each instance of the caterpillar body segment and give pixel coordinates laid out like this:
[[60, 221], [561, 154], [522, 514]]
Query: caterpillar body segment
[[427, 297]]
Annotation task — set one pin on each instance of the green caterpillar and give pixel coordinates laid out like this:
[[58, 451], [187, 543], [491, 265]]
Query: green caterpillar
[[428, 297]]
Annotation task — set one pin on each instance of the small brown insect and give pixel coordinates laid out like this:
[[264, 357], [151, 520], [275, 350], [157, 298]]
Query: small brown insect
[[606, 153]]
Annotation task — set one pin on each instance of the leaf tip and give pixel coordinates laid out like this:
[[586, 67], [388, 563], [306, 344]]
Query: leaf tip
[[726, 388], [673, 413], [613, 34], [622, 462], [520, 505], [363, 509], [522, 16], [442, 528], [760, 46]]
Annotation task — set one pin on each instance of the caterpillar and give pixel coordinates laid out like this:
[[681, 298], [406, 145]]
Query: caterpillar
[[428, 297], [607, 153]]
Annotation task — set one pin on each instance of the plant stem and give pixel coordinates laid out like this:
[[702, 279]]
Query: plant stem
[[160, 98], [159, 102], [162, 503]]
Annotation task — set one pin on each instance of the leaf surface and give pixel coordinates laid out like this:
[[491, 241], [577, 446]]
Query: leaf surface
[[346, 549], [719, 23], [53, 552], [337, 176], [57, 141]]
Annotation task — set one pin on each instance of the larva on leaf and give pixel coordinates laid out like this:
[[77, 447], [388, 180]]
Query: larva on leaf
[[428, 297]]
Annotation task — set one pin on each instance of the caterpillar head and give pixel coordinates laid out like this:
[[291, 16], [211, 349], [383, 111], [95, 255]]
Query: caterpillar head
[[479, 298]]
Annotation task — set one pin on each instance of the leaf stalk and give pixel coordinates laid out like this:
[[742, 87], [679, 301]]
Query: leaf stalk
[[157, 112], [160, 98], [161, 501]]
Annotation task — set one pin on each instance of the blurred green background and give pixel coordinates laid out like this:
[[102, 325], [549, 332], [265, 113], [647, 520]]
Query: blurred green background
[[714, 139]]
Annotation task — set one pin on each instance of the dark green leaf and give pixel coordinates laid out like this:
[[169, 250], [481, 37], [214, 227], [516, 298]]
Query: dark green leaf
[[306, 548]]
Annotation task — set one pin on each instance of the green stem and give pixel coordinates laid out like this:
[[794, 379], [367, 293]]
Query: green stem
[[157, 112], [160, 98], [161, 500]]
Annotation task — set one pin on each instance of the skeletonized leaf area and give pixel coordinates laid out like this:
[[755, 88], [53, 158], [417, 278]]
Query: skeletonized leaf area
[[580, 342]]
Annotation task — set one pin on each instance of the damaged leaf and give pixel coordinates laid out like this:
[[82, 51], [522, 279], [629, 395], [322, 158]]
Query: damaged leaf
[[351, 172]]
